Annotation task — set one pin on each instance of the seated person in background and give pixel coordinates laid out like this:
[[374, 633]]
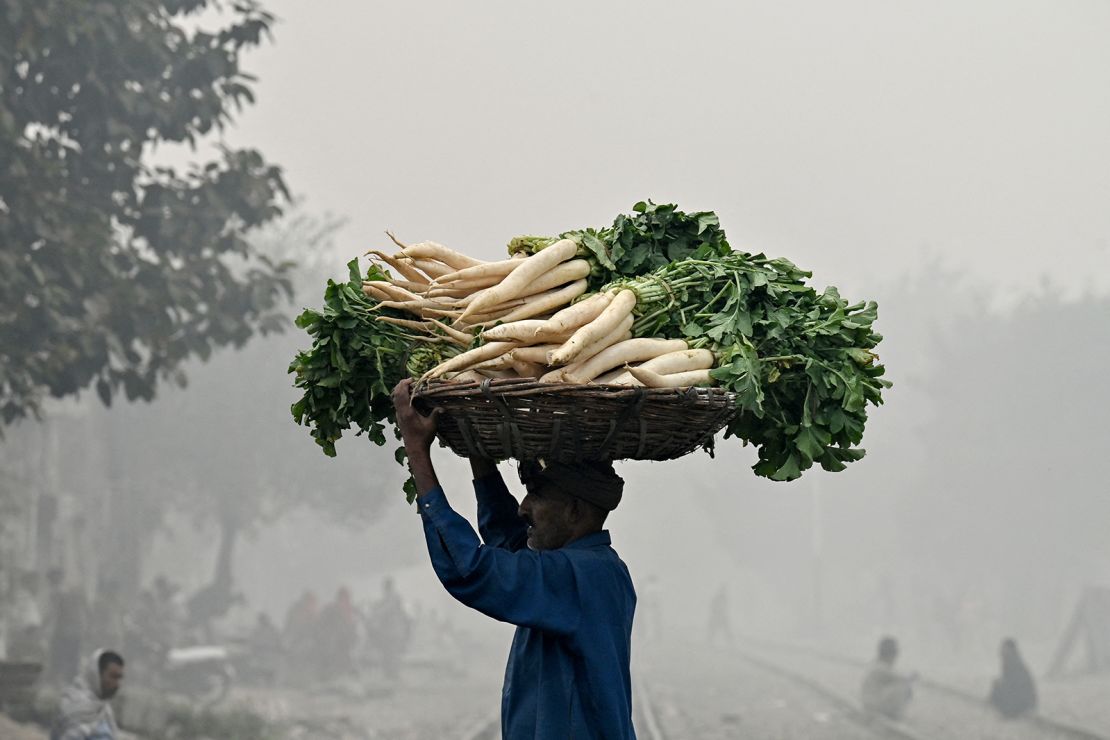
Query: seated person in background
[[1013, 693], [885, 692], [84, 712]]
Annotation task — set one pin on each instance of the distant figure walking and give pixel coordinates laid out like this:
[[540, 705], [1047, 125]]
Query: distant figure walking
[[336, 635], [885, 692], [718, 628], [1013, 693], [389, 629]]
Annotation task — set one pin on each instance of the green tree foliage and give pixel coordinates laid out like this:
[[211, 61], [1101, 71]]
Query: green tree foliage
[[114, 270]]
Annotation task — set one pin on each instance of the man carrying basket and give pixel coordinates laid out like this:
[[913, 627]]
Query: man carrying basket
[[547, 566]]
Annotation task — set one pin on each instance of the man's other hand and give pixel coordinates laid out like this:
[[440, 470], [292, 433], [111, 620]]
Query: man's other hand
[[417, 430], [482, 466]]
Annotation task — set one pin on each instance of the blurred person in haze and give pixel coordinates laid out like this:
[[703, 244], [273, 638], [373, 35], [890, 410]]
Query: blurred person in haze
[[336, 635], [885, 692], [159, 617], [83, 711], [264, 635], [1013, 693], [299, 632], [65, 620], [548, 567], [719, 625], [25, 628], [389, 628]]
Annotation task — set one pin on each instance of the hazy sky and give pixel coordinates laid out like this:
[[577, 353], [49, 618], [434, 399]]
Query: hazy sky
[[854, 138]]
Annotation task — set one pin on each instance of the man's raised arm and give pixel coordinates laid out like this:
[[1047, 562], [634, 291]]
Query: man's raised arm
[[498, 520]]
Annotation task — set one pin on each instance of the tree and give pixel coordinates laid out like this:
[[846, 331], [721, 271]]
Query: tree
[[113, 270], [1008, 495]]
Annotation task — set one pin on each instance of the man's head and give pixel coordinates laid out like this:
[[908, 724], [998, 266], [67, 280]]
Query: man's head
[[110, 667], [888, 650], [566, 502]]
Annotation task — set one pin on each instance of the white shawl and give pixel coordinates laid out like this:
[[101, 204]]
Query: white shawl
[[83, 714]]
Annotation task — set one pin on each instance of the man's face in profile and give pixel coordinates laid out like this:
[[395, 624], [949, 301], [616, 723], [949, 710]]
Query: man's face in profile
[[550, 515], [110, 680]]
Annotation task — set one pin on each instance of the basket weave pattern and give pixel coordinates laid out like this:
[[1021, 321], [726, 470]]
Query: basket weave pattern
[[525, 419]]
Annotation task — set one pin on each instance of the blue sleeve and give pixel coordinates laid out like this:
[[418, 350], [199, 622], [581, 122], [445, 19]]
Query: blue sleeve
[[525, 588], [498, 521]]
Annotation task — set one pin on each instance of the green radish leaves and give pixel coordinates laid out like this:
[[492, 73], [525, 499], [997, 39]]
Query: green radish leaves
[[648, 238], [800, 362], [354, 362]]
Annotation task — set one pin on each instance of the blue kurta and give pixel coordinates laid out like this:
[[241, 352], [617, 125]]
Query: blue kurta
[[568, 672]]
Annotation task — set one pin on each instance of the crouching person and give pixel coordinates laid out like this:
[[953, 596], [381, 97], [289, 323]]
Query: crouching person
[[886, 692], [84, 712]]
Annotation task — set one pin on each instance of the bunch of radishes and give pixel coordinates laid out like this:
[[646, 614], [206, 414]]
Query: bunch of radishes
[[529, 316]]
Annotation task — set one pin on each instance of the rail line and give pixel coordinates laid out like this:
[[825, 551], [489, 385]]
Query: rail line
[[951, 712], [669, 704]]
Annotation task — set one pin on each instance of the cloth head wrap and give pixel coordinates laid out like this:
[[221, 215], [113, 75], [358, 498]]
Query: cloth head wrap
[[594, 481]]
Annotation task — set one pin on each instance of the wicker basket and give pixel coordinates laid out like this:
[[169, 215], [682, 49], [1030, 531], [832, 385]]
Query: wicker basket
[[525, 419]]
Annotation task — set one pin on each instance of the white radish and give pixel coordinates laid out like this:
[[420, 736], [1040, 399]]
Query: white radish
[[404, 268], [674, 362], [396, 292], [554, 376], [570, 318], [460, 336], [469, 358], [373, 289], [517, 331], [619, 354], [495, 314], [467, 375], [610, 378], [501, 362], [414, 306], [542, 303], [465, 286], [406, 323], [526, 369], [652, 379], [620, 333], [434, 251], [618, 309], [536, 354], [519, 279], [485, 271], [432, 268], [567, 272], [420, 289], [497, 374]]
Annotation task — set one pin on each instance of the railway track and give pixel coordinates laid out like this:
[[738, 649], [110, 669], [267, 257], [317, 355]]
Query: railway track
[[788, 691], [939, 711]]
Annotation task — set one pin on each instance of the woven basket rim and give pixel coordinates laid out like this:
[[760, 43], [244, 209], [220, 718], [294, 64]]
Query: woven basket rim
[[436, 386], [512, 417]]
